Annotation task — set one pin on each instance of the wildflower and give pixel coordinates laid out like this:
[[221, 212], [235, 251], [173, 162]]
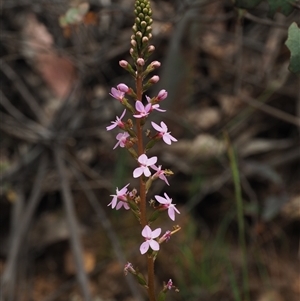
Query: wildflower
[[119, 93], [167, 204], [149, 239], [159, 174], [163, 132], [122, 139], [122, 196], [118, 122], [154, 106], [144, 166], [169, 285], [143, 110]]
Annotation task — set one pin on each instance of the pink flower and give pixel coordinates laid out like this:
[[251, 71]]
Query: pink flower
[[118, 122], [144, 166], [122, 196], [167, 204], [149, 239], [119, 92], [143, 110], [163, 132], [122, 139], [169, 285], [159, 174], [154, 106]]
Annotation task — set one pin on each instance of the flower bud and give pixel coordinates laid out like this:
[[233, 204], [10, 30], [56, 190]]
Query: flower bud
[[123, 88], [155, 64], [162, 95], [140, 61], [165, 237], [151, 48], [123, 63], [154, 79]]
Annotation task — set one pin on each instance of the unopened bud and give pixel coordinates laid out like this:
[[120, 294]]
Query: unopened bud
[[138, 34], [145, 40], [140, 61], [123, 88], [155, 64], [123, 63], [162, 95], [151, 48], [165, 237], [154, 79]]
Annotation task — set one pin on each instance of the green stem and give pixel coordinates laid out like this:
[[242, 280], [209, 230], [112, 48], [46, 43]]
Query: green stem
[[240, 215], [143, 217]]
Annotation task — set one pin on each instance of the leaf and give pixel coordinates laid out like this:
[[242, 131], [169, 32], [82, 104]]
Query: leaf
[[283, 6], [293, 44], [162, 296]]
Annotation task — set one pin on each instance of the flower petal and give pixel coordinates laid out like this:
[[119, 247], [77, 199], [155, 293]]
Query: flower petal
[[154, 245], [160, 199], [147, 231], [156, 126], [112, 126], [163, 126], [144, 247], [139, 106], [151, 161], [143, 159], [156, 233], [138, 172], [171, 213]]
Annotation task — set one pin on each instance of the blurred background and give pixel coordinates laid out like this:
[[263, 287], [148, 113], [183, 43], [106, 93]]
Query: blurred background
[[234, 107]]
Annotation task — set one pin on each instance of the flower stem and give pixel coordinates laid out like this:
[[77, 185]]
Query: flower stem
[[143, 217], [151, 291], [139, 94]]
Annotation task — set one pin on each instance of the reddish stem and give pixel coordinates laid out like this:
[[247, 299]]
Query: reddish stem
[[143, 216]]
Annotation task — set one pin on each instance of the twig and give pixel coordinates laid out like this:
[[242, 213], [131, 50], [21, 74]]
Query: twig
[[9, 275], [28, 123], [264, 21], [23, 90], [24, 161], [106, 224], [271, 111], [72, 223]]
